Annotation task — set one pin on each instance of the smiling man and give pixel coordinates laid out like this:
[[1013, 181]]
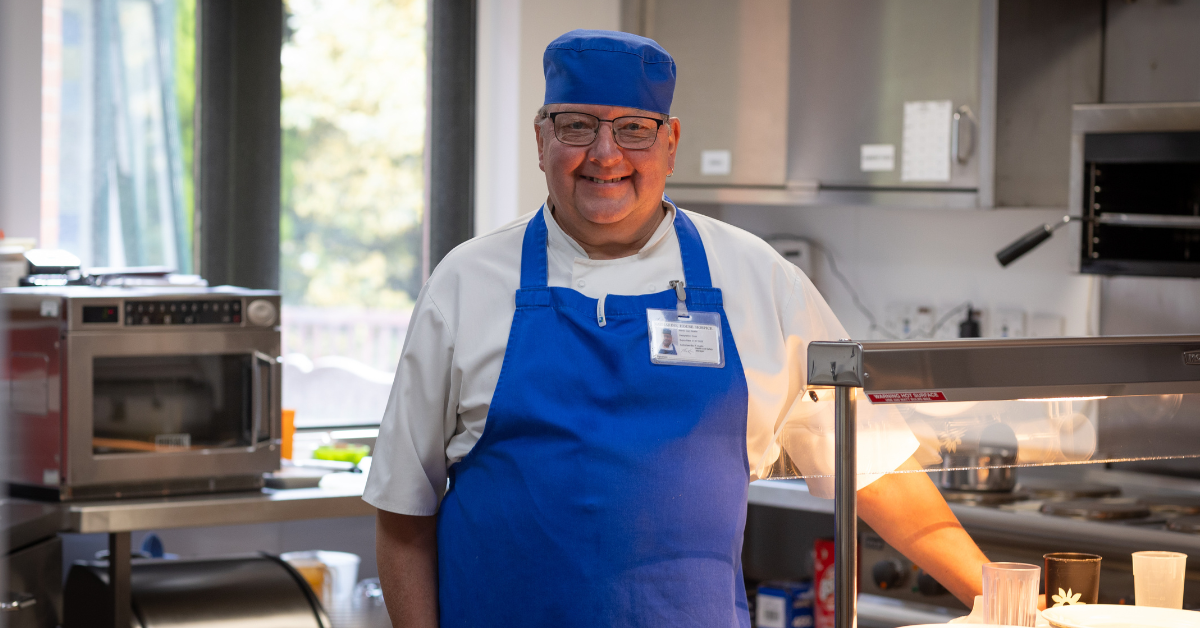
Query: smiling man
[[530, 471]]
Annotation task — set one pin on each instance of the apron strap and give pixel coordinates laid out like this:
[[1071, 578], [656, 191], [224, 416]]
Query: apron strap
[[535, 269], [691, 249]]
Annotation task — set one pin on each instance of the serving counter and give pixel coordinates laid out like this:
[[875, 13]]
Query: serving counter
[[1024, 402]]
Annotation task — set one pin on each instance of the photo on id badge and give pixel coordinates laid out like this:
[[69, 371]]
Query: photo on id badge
[[687, 339]]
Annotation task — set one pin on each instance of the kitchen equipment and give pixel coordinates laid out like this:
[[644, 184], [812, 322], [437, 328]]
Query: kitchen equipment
[[51, 267], [988, 469], [1172, 504], [1158, 578], [1010, 593], [1132, 171], [1189, 524], [1096, 509], [1119, 616], [247, 591], [32, 564], [1072, 578], [1060, 490], [121, 392]]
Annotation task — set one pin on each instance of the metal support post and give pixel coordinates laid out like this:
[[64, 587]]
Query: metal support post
[[839, 364], [845, 509], [119, 575]]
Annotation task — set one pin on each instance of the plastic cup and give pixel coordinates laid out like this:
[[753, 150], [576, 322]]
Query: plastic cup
[[1010, 593], [332, 575], [1158, 579]]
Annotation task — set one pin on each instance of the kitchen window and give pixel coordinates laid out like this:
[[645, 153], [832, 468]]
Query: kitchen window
[[118, 96], [353, 122]]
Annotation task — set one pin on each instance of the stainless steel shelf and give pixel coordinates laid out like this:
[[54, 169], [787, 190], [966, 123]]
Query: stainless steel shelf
[[265, 506]]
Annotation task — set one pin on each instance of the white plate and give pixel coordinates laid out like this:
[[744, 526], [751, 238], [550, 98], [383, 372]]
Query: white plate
[[1117, 616]]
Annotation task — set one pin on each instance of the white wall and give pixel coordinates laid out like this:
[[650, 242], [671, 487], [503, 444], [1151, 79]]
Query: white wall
[[935, 257], [20, 117], [513, 34]]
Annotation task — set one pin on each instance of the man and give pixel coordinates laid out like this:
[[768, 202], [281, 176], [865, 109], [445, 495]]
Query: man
[[668, 344], [579, 495]]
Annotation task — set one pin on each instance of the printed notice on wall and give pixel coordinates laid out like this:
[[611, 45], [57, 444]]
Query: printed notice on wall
[[877, 157], [925, 155]]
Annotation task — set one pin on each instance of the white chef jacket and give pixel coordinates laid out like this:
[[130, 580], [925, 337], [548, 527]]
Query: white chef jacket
[[459, 330]]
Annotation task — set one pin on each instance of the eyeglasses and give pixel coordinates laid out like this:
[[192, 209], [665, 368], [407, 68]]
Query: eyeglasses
[[581, 129]]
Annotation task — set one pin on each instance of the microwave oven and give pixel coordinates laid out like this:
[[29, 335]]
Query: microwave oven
[[123, 392]]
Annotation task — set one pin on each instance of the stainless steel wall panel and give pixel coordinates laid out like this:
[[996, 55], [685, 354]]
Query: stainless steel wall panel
[[1151, 51], [854, 65], [731, 86]]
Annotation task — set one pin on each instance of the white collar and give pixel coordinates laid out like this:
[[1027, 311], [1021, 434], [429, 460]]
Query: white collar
[[559, 240]]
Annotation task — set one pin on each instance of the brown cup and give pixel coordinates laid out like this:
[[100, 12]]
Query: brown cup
[[1072, 578]]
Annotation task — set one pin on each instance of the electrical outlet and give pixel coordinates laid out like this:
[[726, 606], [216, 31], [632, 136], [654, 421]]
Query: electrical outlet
[[1007, 323], [898, 319], [906, 321], [925, 317]]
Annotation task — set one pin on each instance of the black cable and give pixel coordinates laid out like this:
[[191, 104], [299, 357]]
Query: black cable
[[833, 268], [858, 304], [946, 317]]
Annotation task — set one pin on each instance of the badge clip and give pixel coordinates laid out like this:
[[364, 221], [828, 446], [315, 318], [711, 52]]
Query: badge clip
[[681, 299]]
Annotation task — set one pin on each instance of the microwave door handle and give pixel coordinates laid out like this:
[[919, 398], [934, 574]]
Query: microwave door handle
[[255, 400], [258, 396], [275, 402]]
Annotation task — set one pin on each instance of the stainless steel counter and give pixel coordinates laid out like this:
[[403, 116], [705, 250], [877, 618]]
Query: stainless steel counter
[[266, 506], [118, 518]]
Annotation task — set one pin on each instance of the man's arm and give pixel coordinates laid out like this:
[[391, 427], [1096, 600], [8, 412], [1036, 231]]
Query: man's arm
[[406, 550], [907, 510]]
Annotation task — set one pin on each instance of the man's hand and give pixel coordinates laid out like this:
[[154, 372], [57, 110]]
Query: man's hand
[[907, 510], [406, 550]]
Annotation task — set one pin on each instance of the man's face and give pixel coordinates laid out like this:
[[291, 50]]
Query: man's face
[[666, 340], [604, 183]]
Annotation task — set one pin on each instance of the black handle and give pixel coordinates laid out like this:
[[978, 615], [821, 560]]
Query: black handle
[[1010, 253]]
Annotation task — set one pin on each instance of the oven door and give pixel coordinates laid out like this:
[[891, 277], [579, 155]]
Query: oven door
[[153, 406]]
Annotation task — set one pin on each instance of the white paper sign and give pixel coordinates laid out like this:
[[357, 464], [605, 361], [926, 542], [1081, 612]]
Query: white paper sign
[[877, 157], [926, 144], [715, 163]]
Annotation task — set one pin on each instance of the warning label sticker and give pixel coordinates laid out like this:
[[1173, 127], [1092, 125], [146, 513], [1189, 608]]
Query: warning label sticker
[[907, 397]]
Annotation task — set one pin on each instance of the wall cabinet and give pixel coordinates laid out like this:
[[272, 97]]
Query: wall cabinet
[[937, 103]]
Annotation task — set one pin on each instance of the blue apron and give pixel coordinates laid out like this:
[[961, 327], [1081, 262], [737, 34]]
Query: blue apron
[[605, 490]]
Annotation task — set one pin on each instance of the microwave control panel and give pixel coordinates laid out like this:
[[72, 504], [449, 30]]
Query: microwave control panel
[[179, 312]]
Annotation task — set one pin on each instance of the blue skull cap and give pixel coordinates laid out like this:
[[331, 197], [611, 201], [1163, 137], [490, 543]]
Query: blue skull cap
[[590, 67]]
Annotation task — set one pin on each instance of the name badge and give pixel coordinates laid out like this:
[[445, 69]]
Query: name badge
[[685, 338]]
